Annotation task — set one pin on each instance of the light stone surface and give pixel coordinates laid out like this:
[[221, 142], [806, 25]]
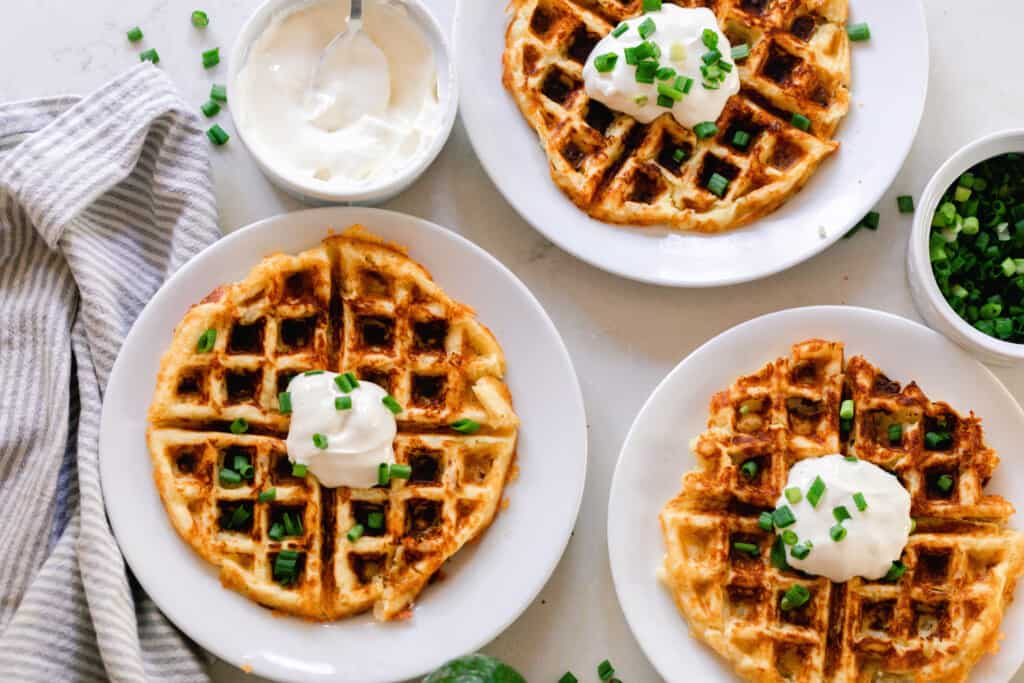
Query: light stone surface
[[623, 336]]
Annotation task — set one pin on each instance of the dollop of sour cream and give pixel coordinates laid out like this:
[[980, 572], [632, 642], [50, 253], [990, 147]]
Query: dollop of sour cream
[[358, 440], [372, 111], [875, 536], [678, 35]]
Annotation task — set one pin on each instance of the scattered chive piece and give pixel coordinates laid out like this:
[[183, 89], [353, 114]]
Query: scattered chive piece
[[206, 341], [766, 521], [945, 483], [718, 184], [837, 532], [711, 57], [741, 51], [793, 495], [400, 471], [210, 108], [229, 476], [871, 220], [200, 19], [239, 426], [860, 501], [850, 458], [641, 100], [895, 434], [800, 121], [858, 32], [268, 495], [705, 129], [652, 5], [239, 517], [749, 469], [741, 139], [678, 155], [351, 379], [320, 440], [383, 474], [748, 548], [284, 402], [725, 66], [391, 404], [219, 93], [242, 465], [646, 28], [709, 38], [846, 409], [913, 525], [211, 58], [666, 101], [135, 34], [620, 29], [840, 513], [665, 73], [299, 470], [816, 491], [466, 426], [355, 533], [568, 677], [285, 565], [605, 670], [801, 550], [684, 83], [149, 55], [217, 135], [905, 203], [783, 517], [937, 440], [606, 62], [778, 555], [789, 537], [276, 532], [796, 596], [961, 194], [343, 383], [895, 571], [646, 72], [375, 520], [343, 403], [670, 92], [292, 524], [310, 373]]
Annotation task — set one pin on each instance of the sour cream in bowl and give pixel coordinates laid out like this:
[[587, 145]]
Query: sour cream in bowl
[[377, 116]]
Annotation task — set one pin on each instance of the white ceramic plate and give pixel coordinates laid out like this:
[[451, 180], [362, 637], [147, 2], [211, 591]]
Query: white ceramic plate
[[487, 585], [890, 79], [656, 455]]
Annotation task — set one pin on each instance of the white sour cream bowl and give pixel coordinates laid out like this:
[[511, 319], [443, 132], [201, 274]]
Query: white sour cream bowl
[[335, 158]]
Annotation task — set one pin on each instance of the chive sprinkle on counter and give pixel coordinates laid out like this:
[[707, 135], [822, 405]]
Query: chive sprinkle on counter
[[976, 247]]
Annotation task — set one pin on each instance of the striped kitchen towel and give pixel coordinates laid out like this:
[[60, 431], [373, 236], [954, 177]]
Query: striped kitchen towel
[[101, 198]]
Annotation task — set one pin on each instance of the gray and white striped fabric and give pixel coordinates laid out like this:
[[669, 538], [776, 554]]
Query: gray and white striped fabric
[[101, 199]]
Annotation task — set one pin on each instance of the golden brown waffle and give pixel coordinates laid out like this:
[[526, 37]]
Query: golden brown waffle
[[962, 563], [621, 171], [352, 304]]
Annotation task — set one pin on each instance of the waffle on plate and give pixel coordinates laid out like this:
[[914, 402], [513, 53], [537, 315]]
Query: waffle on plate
[[962, 563], [620, 171], [356, 304]]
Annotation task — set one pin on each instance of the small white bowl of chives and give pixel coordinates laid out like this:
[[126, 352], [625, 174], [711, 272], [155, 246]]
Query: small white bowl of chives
[[316, 192], [980, 305]]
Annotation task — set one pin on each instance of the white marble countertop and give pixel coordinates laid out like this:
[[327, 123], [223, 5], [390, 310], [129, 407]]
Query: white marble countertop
[[620, 334]]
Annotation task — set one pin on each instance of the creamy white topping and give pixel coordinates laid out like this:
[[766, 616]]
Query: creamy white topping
[[678, 37], [875, 536], [358, 440], [372, 112]]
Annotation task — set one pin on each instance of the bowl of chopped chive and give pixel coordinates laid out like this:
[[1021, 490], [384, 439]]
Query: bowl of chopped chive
[[965, 264]]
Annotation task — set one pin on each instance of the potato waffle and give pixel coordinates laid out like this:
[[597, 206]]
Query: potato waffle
[[621, 171], [352, 304], [932, 624]]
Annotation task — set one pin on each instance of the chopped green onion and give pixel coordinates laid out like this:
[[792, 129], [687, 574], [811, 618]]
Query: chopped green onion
[[268, 495], [665, 73], [718, 184], [678, 155], [646, 28], [646, 72], [895, 571], [871, 220], [677, 52], [219, 93], [913, 525], [605, 62], [567, 677], [793, 495], [343, 383], [652, 5], [383, 474], [711, 57], [149, 55], [211, 58], [206, 341], [375, 520], [242, 465], [710, 38], [796, 596], [343, 403], [641, 100], [466, 426], [210, 108], [292, 524], [741, 139], [284, 402], [351, 379], [299, 470], [135, 34], [783, 517], [741, 51], [850, 458], [276, 532], [800, 121], [858, 32], [217, 135], [200, 19], [789, 537], [320, 440], [860, 501], [620, 29], [229, 476], [311, 373], [239, 426], [725, 66], [937, 440], [748, 548], [815, 492], [846, 409], [670, 92], [400, 471], [840, 513], [905, 203], [239, 517], [684, 83], [962, 194], [837, 532], [285, 565], [895, 434], [749, 469], [355, 533], [605, 670], [945, 483], [705, 130], [802, 550], [391, 404], [766, 521]]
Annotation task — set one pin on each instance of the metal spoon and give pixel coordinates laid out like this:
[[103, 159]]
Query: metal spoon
[[352, 27]]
